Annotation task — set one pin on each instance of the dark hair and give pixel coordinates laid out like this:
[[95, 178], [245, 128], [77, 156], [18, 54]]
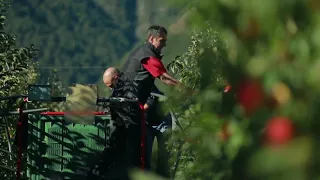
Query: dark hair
[[156, 30]]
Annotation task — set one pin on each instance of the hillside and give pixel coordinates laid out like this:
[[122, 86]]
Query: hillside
[[82, 38]]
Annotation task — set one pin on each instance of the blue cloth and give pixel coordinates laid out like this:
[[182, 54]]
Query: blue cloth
[[163, 125]]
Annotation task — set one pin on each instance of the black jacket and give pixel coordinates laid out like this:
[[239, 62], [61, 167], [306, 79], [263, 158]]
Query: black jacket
[[125, 113], [134, 70]]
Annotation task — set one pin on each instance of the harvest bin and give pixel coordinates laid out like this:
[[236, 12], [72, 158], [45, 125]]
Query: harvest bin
[[61, 150]]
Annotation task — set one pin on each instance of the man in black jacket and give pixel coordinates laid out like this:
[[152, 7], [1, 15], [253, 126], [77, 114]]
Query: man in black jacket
[[144, 63], [124, 149]]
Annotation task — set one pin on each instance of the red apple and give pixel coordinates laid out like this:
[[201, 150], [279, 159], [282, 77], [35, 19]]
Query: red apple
[[279, 130]]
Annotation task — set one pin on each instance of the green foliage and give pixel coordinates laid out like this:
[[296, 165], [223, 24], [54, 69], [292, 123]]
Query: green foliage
[[17, 70], [276, 43], [201, 68], [203, 63], [137, 174]]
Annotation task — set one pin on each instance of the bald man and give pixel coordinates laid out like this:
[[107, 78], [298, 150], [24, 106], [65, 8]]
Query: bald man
[[125, 142], [111, 76]]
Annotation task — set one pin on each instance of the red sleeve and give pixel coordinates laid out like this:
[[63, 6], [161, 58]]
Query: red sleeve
[[154, 66]]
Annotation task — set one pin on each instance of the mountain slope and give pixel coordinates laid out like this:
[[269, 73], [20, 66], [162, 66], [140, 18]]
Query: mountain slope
[[73, 36]]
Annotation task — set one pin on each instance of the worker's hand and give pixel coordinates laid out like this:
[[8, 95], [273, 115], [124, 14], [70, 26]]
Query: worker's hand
[[145, 107]]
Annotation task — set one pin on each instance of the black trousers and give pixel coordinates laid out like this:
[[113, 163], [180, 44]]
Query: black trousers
[[124, 153], [162, 166]]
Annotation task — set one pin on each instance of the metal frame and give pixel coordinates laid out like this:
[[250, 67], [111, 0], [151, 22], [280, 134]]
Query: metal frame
[[6, 124], [21, 111]]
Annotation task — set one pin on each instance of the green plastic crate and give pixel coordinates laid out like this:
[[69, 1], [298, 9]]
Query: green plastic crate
[[62, 150]]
